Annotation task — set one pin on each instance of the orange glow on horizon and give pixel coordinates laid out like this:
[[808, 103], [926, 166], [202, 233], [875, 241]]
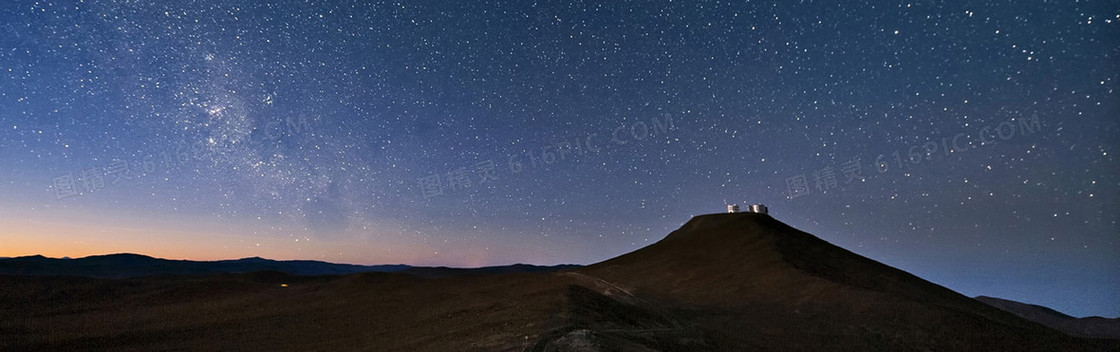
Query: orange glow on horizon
[[82, 234]]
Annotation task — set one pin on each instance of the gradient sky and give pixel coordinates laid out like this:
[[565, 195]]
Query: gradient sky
[[972, 143]]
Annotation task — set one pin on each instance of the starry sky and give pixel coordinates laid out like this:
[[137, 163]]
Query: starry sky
[[972, 143]]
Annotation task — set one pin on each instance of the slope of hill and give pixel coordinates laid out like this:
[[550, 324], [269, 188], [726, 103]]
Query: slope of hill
[[759, 282], [722, 282], [1086, 327]]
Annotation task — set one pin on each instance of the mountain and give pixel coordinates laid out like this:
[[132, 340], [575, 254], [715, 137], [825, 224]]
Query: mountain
[[126, 265], [1086, 327], [755, 281], [722, 282]]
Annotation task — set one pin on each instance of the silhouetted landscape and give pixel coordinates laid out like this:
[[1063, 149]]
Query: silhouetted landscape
[[134, 265], [722, 282], [127, 265]]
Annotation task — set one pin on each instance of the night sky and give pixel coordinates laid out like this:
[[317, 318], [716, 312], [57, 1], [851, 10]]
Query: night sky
[[972, 144]]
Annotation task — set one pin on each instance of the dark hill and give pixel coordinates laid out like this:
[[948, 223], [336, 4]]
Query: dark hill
[[759, 282]]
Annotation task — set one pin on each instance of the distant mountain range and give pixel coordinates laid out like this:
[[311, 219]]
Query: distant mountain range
[[1085, 327], [127, 265]]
